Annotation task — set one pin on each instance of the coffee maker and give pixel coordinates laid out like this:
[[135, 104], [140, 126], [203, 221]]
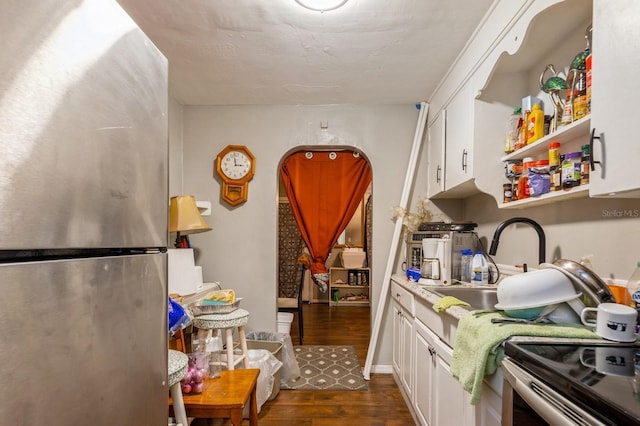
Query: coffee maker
[[460, 236], [436, 261]]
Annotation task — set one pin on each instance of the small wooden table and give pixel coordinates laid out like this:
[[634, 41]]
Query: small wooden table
[[225, 397]]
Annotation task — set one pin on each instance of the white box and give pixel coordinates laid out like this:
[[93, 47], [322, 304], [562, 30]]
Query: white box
[[182, 271], [528, 103], [352, 259]]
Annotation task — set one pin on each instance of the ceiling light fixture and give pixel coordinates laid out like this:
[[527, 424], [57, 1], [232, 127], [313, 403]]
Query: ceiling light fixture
[[321, 5]]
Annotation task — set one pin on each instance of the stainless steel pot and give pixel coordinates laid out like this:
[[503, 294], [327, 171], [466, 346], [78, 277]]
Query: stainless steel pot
[[594, 290]]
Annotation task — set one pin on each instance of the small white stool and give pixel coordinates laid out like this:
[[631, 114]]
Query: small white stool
[[177, 366], [236, 319]]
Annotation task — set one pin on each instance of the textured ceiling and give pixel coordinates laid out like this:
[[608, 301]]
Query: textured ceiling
[[238, 52]]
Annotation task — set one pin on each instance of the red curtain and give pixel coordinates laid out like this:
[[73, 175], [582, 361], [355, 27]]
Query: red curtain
[[324, 190]]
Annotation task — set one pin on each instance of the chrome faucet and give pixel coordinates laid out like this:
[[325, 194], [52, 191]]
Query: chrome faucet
[[535, 225]]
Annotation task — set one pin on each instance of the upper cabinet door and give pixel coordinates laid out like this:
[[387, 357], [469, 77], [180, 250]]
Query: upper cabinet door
[[616, 58], [459, 141], [437, 137]]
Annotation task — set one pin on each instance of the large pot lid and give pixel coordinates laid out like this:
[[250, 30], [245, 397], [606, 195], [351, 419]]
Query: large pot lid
[[585, 280]]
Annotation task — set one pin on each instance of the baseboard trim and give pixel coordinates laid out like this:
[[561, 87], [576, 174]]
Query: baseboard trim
[[382, 369]]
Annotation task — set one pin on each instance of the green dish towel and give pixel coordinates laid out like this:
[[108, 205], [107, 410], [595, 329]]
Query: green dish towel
[[478, 349], [446, 302]]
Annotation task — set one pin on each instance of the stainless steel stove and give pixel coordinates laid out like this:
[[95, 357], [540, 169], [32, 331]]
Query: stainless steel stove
[[572, 384]]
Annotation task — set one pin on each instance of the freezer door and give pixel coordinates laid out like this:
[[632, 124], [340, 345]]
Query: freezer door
[[84, 342], [83, 128]]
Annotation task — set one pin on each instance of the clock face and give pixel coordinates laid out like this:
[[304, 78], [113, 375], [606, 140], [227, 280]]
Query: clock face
[[235, 165]]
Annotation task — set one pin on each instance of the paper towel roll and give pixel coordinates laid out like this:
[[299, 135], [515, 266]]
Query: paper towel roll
[[199, 283]]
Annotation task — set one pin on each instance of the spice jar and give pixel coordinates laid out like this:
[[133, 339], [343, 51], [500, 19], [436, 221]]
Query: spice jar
[[507, 192], [571, 167]]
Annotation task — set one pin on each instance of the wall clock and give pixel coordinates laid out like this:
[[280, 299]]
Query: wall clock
[[236, 166]]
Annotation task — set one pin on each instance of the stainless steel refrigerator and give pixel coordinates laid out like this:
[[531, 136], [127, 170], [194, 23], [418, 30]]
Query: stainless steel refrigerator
[[83, 216]]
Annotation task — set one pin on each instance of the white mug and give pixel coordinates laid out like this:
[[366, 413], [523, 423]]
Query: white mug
[[613, 321], [610, 360]]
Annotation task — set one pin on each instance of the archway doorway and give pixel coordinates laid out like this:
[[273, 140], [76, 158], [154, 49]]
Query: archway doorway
[[357, 235]]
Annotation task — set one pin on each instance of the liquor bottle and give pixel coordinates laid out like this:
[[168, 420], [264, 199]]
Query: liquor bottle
[[580, 105]]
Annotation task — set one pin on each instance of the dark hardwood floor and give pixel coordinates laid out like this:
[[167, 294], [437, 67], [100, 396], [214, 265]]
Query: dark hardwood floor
[[382, 404]]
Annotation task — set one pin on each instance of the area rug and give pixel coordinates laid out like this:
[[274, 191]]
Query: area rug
[[327, 368]]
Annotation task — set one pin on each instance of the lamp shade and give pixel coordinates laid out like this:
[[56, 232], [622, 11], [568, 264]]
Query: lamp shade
[[184, 216]]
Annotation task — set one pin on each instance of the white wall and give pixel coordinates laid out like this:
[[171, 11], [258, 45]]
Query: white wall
[[607, 228], [241, 250]]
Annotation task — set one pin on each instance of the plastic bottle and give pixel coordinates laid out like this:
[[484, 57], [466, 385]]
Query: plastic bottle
[[466, 256], [515, 121], [535, 124], [554, 155], [480, 269]]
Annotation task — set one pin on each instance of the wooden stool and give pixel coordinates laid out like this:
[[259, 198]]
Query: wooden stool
[[177, 367], [225, 397], [238, 318]]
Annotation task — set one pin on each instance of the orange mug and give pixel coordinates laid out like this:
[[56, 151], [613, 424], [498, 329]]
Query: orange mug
[[621, 294]]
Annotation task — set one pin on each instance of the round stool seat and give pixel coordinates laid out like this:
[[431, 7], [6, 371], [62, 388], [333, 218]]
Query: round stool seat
[[237, 318], [177, 365]]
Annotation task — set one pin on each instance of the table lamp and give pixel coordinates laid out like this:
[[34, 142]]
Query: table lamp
[[185, 219]]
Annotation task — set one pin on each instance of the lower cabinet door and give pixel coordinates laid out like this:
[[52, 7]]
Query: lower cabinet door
[[424, 368], [406, 368], [452, 402]]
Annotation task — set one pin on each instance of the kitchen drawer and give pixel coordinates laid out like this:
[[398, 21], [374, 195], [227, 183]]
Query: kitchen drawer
[[441, 323], [404, 298]]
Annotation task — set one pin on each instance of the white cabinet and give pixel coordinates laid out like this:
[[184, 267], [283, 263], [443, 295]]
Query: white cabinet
[[421, 366], [616, 58], [424, 372], [349, 286], [403, 348], [435, 154], [459, 141], [439, 398], [503, 63], [494, 74], [403, 338], [450, 148], [489, 411]]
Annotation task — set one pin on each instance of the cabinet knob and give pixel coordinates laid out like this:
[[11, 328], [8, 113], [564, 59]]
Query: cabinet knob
[[438, 173], [464, 160], [432, 351]]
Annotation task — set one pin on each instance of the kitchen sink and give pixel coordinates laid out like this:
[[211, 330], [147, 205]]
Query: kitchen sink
[[478, 298]]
